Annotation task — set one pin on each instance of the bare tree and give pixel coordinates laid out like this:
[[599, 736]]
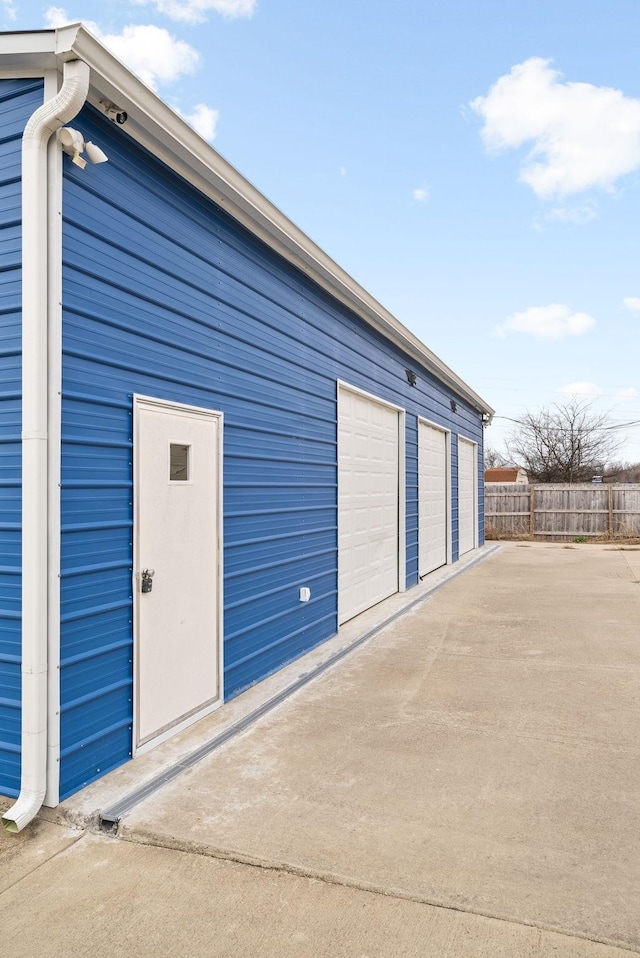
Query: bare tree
[[493, 458], [622, 472], [565, 442]]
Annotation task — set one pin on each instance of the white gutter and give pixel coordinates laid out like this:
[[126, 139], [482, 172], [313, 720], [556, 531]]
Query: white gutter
[[35, 514]]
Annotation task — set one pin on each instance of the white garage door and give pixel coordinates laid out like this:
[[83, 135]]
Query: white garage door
[[433, 519], [368, 448], [467, 515]]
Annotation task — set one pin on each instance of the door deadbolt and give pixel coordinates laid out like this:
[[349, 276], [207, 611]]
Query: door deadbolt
[[146, 581]]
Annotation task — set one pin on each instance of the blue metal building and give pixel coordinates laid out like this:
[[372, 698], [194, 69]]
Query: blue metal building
[[215, 447]]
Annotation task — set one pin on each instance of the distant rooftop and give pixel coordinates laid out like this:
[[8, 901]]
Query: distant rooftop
[[506, 474]]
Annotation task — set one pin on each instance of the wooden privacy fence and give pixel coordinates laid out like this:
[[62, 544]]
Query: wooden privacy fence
[[562, 510]]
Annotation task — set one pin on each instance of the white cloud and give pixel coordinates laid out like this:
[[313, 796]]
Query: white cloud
[[203, 120], [9, 9], [195, 11], [547, 322], [156, 56], [57, 17], [632, 303], [421, 194], [568, 215], [630, 393], [582, 136], [151, 52], [343, 171], [581, 389]]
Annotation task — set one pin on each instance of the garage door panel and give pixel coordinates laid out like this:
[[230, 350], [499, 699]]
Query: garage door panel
[[466, 496], [367, 502], [433, 496]]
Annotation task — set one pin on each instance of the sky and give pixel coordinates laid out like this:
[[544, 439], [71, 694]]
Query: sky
[[474, 165]]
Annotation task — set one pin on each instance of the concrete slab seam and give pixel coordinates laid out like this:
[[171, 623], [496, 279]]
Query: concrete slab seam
[[630, 567], [81, 834], [143, 837], [109, 818]]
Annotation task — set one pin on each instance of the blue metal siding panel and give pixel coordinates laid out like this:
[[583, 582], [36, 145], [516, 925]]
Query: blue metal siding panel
[[96, 664], [411, 493], [481, 490], [18, 100], [454, 498], [165, 295]]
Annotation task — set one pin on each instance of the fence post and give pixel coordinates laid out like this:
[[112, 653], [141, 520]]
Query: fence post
[[610, 511], [532, 515]]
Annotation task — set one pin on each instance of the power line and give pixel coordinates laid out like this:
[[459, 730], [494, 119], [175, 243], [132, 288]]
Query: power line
[[576, 429], [590, 396]]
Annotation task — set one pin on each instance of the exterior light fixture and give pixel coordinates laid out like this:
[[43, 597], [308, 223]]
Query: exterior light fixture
[[453, 404], [73, 144], [412, 379], [95, 154]]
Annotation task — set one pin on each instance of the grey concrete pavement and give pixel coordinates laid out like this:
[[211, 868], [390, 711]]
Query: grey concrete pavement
[[103, 898], [481, 753], [23, 853], [465, 784]]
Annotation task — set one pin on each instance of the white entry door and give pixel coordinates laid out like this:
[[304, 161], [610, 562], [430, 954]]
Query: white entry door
[[176, 579], [433, 498], [368, 502], [467, 486]]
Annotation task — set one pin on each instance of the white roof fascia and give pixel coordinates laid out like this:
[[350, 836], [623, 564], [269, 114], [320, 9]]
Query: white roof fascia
[[166, 135], [36, 48]]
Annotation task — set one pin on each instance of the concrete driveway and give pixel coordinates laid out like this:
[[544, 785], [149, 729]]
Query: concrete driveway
[[480, 754]]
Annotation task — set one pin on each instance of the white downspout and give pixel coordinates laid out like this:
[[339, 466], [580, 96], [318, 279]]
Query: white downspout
[[35, 519]]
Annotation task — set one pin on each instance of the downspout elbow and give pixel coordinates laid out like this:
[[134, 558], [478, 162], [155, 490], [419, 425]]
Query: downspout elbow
[[35, 521], [64, 107]]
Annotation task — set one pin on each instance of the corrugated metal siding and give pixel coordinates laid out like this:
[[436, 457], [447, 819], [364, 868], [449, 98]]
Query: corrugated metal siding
[[166, 296], [96, 617], [481, 490], [18, 100], [411, 484]]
